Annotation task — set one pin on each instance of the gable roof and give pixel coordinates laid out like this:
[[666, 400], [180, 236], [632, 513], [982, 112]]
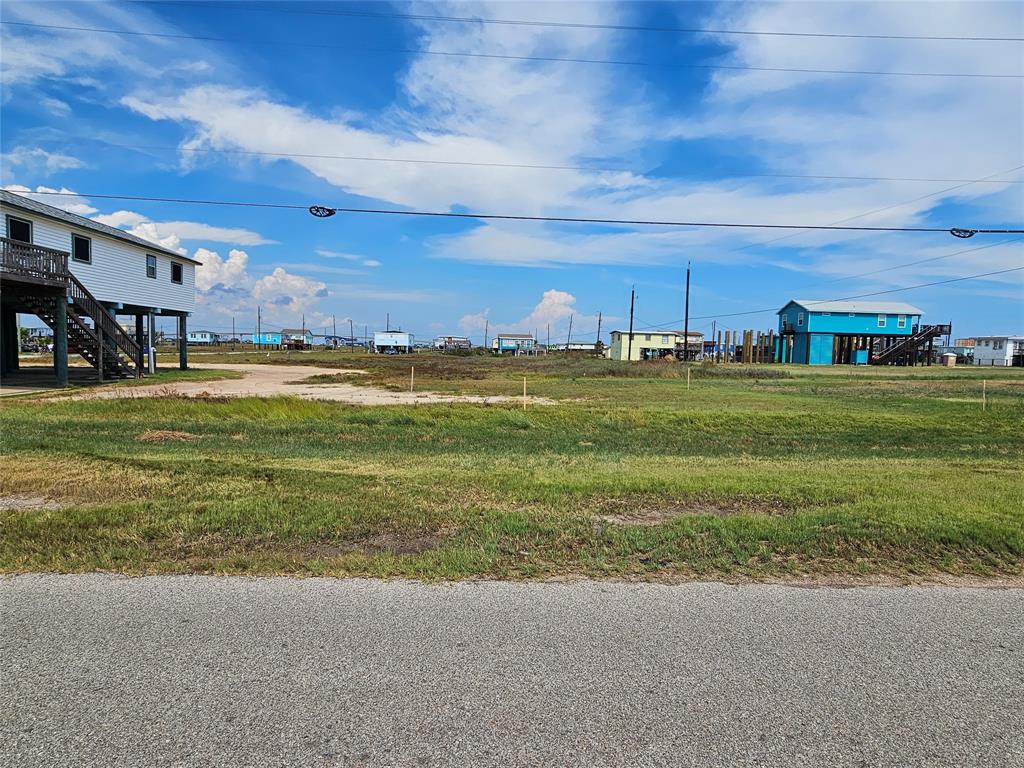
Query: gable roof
[[860, 307], [297, 331], [49, 211]]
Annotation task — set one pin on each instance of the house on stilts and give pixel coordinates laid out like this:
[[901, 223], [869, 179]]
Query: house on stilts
[[78, 276]]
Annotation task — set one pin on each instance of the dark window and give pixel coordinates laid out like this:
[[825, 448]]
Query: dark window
[[81, 249], [19, 229], [176, 272], [150, 266]]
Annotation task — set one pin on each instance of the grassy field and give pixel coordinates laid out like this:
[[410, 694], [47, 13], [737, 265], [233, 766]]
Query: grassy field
[[763, 472]]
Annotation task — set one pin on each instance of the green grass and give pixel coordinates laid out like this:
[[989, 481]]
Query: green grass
[[763, 474]]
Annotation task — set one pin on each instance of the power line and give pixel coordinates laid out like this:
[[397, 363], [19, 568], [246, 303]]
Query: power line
[[885, 208], [324, 211], [858, 296], [532, 166], [921, 261], [581, 25], [510, 57]]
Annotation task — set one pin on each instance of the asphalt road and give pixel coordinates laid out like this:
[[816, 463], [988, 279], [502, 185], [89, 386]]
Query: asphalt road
[[183, 671]]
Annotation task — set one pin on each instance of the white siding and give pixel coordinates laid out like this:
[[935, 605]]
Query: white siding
[[117, 273]]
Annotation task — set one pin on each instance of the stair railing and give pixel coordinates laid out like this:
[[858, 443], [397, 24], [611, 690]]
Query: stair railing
[[111, 330]]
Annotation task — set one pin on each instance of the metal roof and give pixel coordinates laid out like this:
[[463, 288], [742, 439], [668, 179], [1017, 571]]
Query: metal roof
[[42, 209], [860, 307]]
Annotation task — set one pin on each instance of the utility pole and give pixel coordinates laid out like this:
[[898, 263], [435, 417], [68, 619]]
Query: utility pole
[[598, 343], [387, 321], [568, 339], [549, 337], [485, 332], [334, 325], [713, 322], [259, 330], [232, 329], [632, 302], [686, 317], [351, 333]]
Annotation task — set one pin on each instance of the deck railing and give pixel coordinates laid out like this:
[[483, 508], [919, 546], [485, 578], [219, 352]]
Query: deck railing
[[44, 265]]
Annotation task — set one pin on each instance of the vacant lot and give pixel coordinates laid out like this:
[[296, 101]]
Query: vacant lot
[[761, 472]]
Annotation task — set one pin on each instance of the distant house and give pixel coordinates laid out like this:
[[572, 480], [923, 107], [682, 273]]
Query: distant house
[[296, 338], [267, 339], [514, 344], [836, 332], [575, 346], [452, 343], [644, 345], [999, 351], [393, 342], [203, 337]]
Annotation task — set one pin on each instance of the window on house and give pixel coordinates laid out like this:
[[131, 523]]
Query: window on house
[[800, 318], [881, 321], [151, 266], [176, 272], [901, 321], [664, 340], [19, 229], [647, 337], [81, 249]]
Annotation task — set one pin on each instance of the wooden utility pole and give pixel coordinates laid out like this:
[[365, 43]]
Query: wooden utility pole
[[334, 324], [259, 328], [686, 317], [632, 303], [548, 347], [568, 339], [351, 333], [485, 332], [387, 321]]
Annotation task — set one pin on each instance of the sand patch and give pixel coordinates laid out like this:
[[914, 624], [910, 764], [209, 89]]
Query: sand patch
[[27, 502]]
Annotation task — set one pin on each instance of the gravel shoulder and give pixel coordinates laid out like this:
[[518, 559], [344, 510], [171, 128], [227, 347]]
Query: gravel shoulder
[[102, 670]]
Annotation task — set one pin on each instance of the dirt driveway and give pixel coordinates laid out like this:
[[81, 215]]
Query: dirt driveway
[[270, 380]]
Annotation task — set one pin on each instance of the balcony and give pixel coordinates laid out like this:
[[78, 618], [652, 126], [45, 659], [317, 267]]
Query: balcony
[[27, 263]]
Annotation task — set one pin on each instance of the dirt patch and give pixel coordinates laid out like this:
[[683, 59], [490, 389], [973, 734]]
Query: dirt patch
[[651, 509], [165, 435], [27, 502]]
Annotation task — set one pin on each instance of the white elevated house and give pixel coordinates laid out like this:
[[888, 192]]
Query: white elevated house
[[78, 276], [392, 342], [999, 350]]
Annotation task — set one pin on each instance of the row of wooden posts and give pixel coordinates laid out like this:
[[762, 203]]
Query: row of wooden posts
[[744, 347]]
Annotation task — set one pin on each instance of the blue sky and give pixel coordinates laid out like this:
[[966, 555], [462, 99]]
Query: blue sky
[[172, 117]]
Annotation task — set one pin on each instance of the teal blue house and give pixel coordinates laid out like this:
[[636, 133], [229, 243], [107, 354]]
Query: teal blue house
[[852, 332]]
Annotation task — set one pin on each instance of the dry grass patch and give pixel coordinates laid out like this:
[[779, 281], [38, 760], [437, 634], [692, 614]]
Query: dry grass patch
[[78, 481], [654, 509], [165, 435]]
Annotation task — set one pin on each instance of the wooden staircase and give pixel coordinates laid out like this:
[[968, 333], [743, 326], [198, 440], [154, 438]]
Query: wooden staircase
[[104, 344], [905, 350]]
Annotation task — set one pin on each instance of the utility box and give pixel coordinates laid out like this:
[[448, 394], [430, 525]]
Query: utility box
[[949, 359], [860, 357]]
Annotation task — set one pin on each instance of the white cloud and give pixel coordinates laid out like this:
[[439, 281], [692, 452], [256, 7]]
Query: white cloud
[[216, 271], [371, 263], [55, 106], [170, 234], [36, 159]]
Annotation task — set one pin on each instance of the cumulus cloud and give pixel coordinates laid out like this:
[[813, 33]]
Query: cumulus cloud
[[216, 271], [553, 311]]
